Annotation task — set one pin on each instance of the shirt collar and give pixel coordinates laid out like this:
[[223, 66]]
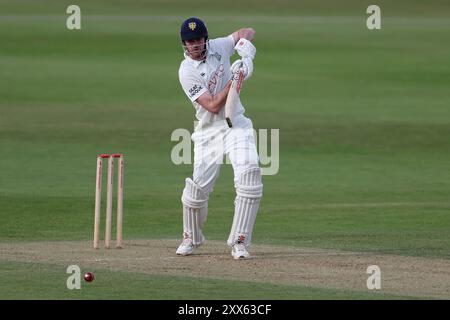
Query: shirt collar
[[196, 63]]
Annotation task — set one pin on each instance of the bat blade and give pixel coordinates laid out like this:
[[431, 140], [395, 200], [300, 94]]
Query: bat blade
[[233, 97]]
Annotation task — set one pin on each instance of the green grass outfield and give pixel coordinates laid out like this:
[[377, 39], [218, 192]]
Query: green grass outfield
[[25, 279], [364, 119]]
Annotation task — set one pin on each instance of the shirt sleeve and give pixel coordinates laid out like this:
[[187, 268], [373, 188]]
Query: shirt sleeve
[[193, 86], [227, 44]]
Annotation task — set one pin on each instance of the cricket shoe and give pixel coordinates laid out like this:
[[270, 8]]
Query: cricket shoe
[[239, 251], [187, 246]]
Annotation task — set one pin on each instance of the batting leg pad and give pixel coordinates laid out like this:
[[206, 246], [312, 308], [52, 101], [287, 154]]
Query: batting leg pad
[[195, 208], [248, 196]]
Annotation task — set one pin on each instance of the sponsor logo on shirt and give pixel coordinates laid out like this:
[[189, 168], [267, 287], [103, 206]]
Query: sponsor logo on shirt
[[217, 56], [194, 90], [215, 77]]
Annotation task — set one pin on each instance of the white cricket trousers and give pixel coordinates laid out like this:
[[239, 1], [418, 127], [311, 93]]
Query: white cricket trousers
[[214, 141]]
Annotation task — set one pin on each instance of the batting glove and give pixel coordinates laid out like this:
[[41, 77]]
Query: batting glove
[[245, 48], [246, 64]]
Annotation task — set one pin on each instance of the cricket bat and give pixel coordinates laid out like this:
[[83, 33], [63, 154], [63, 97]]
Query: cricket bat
[[233, 96]]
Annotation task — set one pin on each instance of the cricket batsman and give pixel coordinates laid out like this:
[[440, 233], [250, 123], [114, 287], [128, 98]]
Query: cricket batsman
[[205, 75]]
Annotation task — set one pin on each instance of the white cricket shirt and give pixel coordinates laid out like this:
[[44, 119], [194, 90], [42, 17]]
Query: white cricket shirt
[[212, 74]]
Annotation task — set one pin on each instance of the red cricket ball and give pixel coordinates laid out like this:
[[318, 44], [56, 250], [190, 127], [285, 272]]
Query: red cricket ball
[[89, 276]]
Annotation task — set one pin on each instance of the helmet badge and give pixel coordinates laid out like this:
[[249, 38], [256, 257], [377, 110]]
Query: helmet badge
[[192, 25]]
